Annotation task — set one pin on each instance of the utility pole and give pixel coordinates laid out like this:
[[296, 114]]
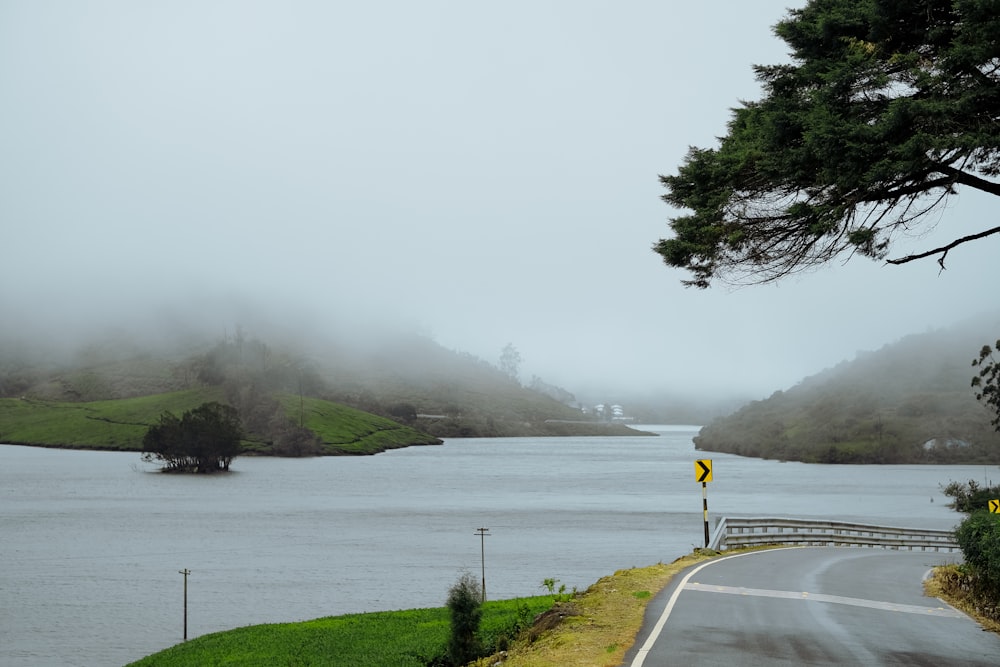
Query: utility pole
[[483, 534], [185, 572]]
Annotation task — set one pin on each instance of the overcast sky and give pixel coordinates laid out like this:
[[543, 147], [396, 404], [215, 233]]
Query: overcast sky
[[483, 173]]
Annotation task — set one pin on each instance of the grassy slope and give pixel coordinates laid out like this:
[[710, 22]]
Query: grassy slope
[[401, 638], [121, 424], [593, 628], [114, 425], [345, 430], [468, 397]]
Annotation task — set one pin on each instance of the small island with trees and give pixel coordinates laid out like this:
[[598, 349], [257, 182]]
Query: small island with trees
[[203, 440]]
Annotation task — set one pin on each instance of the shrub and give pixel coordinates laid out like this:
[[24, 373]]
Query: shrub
[[970, 497], [204, 440], [465, 606], [979, 538]]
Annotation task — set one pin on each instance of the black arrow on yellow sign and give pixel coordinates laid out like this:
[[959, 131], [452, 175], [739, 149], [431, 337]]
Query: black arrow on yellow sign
[[995, 506], [703, 470]]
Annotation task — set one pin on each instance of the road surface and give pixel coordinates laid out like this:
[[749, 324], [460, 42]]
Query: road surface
[[810, 606]]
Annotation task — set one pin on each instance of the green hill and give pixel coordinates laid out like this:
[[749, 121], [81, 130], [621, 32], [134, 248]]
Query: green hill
[[120, 424], [292, 401], [112, 424], [909, 402]]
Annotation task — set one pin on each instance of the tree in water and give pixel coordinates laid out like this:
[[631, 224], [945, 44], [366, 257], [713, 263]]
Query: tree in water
[[465, 608], [203, 440], [887, 110]]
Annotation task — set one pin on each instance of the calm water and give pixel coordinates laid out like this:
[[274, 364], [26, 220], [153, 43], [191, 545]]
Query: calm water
[[91, 543]]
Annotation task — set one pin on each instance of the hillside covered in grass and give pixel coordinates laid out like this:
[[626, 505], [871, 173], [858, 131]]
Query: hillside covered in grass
[[405, 638], [330, 400], [121, 424], [909, 402]]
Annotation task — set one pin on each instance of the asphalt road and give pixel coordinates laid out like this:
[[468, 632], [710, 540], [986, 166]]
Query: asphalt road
[[810, 606]]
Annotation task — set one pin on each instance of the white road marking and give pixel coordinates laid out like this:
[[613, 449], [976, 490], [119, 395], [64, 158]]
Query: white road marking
[[942, 612], [647, 646]]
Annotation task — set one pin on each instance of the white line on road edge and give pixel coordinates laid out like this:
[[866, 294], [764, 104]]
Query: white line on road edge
[[647, 646]]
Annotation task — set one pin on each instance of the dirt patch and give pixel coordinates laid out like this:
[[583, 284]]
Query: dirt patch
[[551, 619]]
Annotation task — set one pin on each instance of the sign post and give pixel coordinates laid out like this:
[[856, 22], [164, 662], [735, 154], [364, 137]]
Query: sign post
[[703, 474]]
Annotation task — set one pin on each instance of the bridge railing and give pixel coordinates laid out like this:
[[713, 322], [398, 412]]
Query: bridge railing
[[735, 532]]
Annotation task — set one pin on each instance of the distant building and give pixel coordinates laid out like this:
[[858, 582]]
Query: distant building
[[610, 413]]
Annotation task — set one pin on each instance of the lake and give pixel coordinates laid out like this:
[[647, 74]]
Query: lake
[[93, 542]]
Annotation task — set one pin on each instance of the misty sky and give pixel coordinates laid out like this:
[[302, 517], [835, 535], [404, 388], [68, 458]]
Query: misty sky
[[483, 173]]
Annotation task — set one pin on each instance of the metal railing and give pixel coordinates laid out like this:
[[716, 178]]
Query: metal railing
[[732, 533]]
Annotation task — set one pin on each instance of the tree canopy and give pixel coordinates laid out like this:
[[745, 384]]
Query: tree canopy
[[204, 440], [887, 108]]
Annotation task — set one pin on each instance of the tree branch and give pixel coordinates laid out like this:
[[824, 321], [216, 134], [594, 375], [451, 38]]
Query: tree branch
[[973, 181], [943, 250]]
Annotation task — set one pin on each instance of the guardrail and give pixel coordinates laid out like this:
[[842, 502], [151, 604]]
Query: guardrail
[[734, 532]]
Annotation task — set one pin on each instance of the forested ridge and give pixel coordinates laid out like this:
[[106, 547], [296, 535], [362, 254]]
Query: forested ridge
[[908, 402]]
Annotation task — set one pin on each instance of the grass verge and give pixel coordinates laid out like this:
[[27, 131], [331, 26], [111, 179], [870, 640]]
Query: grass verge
[[945, 583], [596, 627]]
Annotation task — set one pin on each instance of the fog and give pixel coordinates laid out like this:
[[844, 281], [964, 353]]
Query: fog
[[483, 174]]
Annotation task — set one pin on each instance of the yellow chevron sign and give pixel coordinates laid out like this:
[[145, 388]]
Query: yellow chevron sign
[[995, 506], [703, 470]]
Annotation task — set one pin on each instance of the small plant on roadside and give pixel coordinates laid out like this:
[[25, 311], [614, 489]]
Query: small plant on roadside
[[560, 595], [498, 632]]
